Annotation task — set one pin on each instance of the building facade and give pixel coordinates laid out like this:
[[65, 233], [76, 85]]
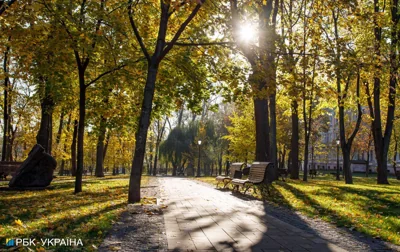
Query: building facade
[[323, 149]]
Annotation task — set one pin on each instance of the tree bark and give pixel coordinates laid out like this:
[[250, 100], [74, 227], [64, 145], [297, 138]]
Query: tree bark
[[394, 158], [46, 126], [60, 127], [11, 143], [261, 115], [272, 134], [73, 148], [108, 136], [81, 131], [294, 153], [10, 140], [5, 106]]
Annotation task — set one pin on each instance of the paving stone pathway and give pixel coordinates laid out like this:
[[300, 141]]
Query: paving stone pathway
[[137, 229], [201, 218]]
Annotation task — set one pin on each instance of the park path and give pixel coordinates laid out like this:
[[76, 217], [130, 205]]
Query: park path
[[202, 218]]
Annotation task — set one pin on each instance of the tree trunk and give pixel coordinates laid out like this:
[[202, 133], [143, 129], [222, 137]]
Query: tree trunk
[[273, 174], [99, 172], [150, 165], [81, 131], [160, 134], [141, 135], [394, 158], [305, 170], [108, 136], [382, 139], [46, 127], [180, 116], [220, 163], [262, 129], [307, 125], [9, 134], [347, 165], [73, 148], [367, 165], [174, 169], [11, 142], [60, 128], [294, 153], [153, 64], [5, 106], [345, 146], [65, 146], [156, 159]]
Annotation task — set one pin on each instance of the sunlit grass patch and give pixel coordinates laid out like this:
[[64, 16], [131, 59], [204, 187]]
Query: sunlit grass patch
[[364, 206], [59, 213]]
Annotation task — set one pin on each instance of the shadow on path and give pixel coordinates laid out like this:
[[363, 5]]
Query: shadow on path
[[240, 222]]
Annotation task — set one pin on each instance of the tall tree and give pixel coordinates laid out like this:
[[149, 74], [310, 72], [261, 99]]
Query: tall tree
[[263, 78], [83, 26], [74, 149], [382, 137], [291, 15], [162, 48], [6, 122], [338, 9]]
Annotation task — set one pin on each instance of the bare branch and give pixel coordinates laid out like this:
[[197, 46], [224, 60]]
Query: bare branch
[[136, 32], [180, 30], [112, 70], [105, 73], [359, 115]]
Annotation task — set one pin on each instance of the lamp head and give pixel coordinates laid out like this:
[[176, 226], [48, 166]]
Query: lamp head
[[199, 142], [337, 141]]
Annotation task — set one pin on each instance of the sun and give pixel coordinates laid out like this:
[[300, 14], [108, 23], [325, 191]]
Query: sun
[[248, 32]]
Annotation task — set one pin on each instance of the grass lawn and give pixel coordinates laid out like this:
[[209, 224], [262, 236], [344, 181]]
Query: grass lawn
[[58, 213], [364, 206]]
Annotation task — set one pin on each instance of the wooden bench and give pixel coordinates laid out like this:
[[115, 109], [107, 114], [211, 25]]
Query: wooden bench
[[257, 176], [8, 168], [234, 172], [313, 173], [397, 175]]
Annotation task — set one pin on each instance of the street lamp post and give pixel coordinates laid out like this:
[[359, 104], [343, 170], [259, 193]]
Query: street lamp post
[[337, 159], [198, 162]]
